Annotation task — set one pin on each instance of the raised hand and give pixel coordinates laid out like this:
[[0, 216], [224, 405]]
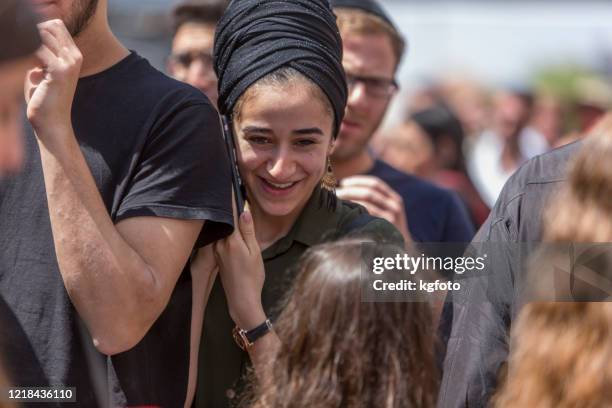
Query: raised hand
[[242, 273], [378, 198], [50, 88]]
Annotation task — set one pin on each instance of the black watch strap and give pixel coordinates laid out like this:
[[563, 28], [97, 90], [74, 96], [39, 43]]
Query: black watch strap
[[245, 339], [255, 334]]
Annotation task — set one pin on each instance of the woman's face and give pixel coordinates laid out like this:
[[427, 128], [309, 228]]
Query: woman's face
[[284, 139]]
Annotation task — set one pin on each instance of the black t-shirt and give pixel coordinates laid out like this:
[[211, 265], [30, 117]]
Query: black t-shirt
[[433, 213], [154, 148]]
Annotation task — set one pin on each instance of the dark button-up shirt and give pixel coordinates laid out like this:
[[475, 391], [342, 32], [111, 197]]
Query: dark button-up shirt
[[221, 363], [482, 314]]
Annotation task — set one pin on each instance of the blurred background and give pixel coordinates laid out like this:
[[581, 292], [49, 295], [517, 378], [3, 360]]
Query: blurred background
[[514, 78], [519, 43]]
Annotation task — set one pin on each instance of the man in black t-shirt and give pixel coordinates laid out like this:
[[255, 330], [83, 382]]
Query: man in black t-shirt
[[125, 172]]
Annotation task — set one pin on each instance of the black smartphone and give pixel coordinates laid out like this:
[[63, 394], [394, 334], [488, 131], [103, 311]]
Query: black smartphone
[[230, 145]]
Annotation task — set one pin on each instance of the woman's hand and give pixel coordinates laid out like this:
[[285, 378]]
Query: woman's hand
[[242, 273]]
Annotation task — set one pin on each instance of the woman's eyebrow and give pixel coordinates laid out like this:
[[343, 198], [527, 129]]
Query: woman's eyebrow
[[256, 129], [308, 131]]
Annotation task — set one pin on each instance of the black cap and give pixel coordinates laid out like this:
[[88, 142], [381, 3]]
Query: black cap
[[255, 38], [369, 6], [18, 33]]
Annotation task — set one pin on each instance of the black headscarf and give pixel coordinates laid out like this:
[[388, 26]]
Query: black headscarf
[[18, 33], [257, 37], [369, 6]]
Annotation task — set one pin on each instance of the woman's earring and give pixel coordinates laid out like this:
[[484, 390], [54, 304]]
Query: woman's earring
[[329, 181]]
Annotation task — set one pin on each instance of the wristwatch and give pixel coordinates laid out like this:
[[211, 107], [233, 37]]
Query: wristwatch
[[245, 339]]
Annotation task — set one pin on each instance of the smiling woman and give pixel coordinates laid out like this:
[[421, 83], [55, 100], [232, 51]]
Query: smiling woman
[[282, 86], [284, 125]]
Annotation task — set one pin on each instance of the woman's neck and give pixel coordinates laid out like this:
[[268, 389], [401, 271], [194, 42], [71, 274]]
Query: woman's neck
[[269, 228]]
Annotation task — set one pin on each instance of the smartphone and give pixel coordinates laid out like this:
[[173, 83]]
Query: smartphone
[[230, 145]]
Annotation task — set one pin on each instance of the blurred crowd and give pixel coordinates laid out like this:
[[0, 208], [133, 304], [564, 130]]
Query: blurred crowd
[[471, 139]]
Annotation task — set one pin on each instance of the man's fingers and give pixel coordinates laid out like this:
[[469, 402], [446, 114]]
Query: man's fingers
[[46, 57], [58, 29], [377, 211], [375, 202], [55, 35], [385, 215], [371, 182], [361, 193], [358, 181], [33, 78], [372, 209], [50, 42]]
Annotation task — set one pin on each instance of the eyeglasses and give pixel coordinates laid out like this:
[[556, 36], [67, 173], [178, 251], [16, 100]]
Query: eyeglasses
[[189, 57], [374, 87]]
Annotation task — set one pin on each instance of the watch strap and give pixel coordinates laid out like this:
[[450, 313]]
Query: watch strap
[[246, 339], [259, 331]]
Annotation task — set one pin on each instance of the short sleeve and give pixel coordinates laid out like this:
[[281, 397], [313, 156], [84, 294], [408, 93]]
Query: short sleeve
[[183, 172]]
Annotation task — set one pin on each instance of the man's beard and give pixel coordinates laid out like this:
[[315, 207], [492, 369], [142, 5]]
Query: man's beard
[[83, 13]]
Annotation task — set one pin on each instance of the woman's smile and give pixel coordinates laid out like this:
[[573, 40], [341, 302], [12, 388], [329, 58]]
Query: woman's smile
[[278, 189]]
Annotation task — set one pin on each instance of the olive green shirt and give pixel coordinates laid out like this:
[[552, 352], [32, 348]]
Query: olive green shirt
[[221, 362]]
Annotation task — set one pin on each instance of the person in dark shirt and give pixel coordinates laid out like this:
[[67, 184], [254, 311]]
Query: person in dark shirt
[[481, 314], [373, 48], [19, 40], [560, 350], [126, 172], [283, 90]]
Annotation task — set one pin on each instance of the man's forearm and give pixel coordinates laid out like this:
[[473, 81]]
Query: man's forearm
[[111, 286]]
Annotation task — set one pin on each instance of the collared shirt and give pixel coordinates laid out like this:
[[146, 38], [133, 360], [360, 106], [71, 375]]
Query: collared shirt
[[221, 363], [478, 344]]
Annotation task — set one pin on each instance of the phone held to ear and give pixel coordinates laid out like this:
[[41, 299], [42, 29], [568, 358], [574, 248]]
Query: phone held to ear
[[230, 145]]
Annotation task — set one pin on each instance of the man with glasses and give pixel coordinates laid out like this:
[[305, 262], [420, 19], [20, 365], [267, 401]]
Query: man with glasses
[[194, 34], [373, 48]]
